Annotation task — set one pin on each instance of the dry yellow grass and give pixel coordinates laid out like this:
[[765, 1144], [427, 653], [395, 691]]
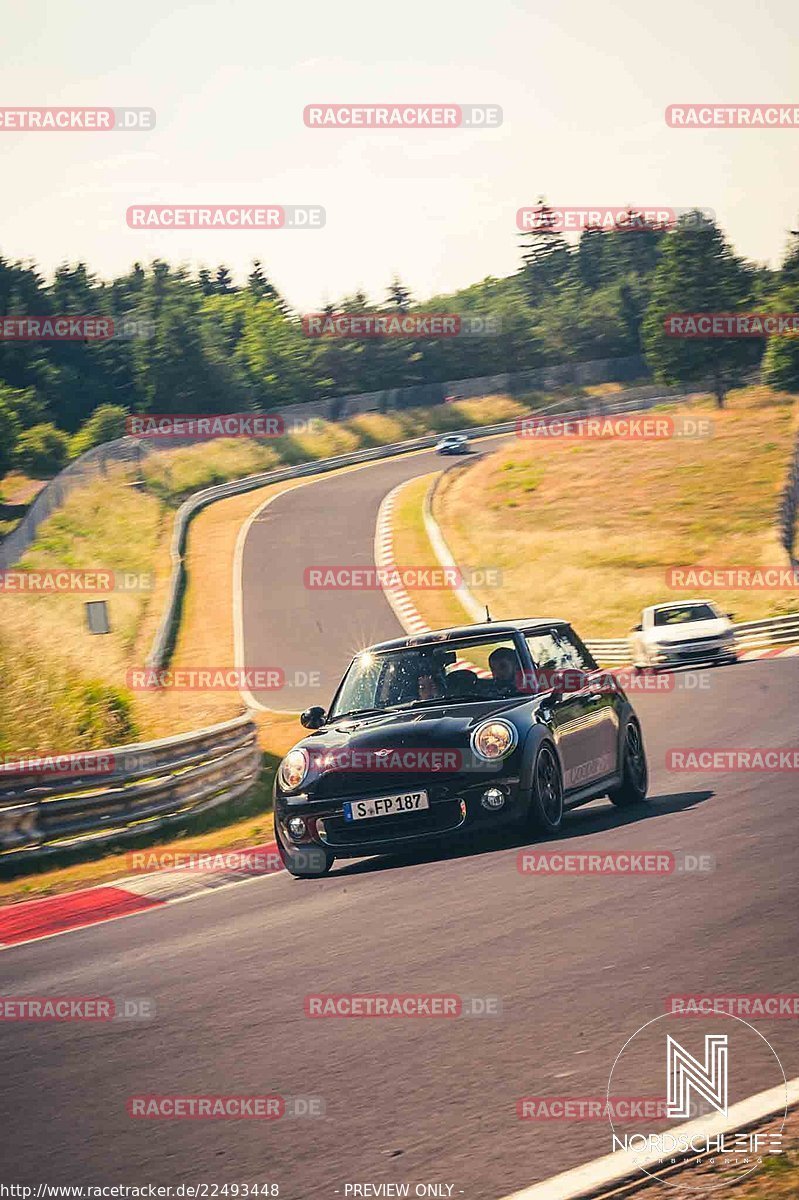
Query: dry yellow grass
[[54, 671], [17, 488], [175, 473], [588, 530]]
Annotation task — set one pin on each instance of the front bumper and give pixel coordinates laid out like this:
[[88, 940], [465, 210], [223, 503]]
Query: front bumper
[[689, 652], [453, 810]]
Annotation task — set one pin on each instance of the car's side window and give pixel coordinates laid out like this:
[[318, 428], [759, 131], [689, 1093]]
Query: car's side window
[[544, 651], [574, 652], [557, 650]]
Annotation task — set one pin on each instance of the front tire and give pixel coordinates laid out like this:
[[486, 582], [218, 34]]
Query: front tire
[[635, 772], [545, 811]]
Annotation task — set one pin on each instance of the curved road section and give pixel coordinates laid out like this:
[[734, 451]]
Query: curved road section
[[572, 965], [307, 633]]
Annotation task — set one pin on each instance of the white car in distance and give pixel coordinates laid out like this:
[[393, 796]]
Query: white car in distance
[[673, 635]]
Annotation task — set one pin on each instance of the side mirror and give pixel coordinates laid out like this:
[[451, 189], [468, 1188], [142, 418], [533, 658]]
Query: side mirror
[[314, 717], [731, 616], [638, 628]]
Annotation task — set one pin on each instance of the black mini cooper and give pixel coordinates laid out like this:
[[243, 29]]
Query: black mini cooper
[[459, 729]]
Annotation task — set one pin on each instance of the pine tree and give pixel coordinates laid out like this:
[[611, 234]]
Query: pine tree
[[545, 254], [399, 296]]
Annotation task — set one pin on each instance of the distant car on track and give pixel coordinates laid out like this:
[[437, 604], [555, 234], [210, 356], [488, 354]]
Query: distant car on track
[[675, 634], [453, 443], [458, 729]]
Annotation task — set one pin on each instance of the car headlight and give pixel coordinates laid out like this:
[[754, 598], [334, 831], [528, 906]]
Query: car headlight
[[494, 739], [293, 769]]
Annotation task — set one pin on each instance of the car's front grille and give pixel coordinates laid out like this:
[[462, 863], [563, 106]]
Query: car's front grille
[[437, 819], [348, 785], [695, 643]]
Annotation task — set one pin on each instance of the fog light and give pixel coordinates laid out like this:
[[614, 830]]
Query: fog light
[[296, 827], [492, 798]]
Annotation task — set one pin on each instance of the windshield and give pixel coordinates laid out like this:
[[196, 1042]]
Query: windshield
[[487, 669], [678, 614]]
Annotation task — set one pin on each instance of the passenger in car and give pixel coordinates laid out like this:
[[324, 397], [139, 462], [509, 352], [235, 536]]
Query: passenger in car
[[504, 664]]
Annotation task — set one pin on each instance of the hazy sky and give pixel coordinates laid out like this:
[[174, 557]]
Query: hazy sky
[[583, 86]]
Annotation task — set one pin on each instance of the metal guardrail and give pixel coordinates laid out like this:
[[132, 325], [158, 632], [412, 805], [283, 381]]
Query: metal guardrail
[[610, 652], [49, 805]]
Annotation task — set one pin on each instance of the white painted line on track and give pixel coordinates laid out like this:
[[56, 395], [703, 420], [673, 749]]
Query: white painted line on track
[[623, 1165]]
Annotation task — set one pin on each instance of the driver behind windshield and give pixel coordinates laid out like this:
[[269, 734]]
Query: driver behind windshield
[[429, 686]]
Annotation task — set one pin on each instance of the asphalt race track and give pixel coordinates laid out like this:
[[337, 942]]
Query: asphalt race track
[[314, 633], [578, 963]]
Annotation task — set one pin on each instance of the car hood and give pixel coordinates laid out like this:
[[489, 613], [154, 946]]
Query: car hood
[[688, 631], [354, 744], [417, 727]]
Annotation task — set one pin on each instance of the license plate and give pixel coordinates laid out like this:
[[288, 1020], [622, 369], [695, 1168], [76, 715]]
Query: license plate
[[385, 806]]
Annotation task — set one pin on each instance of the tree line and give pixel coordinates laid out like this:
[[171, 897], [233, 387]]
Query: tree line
[[203, 344]]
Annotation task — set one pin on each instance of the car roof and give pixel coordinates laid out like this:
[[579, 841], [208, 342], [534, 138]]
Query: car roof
[[486, 628], [678, 604]]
